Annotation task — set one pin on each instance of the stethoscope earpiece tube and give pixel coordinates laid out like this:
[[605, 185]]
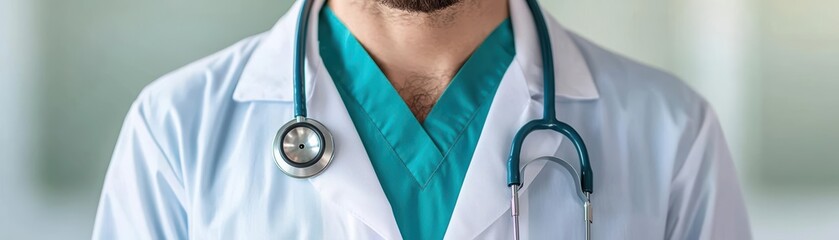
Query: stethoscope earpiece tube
[[548, 122], [300, 59]]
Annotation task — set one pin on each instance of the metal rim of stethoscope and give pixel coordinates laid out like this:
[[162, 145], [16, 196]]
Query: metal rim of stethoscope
[[303, 148]]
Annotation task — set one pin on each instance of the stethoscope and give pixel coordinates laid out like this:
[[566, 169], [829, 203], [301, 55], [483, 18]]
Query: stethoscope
[[303, 147]]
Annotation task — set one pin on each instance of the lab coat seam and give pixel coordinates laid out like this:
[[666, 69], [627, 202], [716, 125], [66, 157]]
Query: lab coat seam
[[184, 203], [696, 190], [144, 117], [695, 134]]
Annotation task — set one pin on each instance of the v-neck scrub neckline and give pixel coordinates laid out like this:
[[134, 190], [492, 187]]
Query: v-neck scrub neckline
[[420, 166]]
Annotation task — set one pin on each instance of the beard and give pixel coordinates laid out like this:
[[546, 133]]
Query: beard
[[420, 6]]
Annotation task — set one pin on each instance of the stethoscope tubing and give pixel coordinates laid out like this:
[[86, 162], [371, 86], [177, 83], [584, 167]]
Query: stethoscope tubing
[[300, 59], [548, 121]]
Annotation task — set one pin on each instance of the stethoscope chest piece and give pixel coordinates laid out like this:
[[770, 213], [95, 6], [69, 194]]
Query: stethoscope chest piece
[[303, 148]]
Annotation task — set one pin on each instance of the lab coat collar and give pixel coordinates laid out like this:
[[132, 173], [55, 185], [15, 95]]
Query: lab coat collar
[[268, 75], [350, 183]]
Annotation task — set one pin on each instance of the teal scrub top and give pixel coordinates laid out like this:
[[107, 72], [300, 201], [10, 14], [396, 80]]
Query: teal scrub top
[[421, 166]]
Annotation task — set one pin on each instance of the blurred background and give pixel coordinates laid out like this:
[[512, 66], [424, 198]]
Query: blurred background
[[70, 69]]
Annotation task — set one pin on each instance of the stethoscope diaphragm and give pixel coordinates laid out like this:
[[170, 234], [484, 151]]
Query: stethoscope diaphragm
[[303, 147]]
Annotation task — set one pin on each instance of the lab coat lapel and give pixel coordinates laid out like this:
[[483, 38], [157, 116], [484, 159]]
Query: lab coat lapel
[[484, 196], [349, 181]]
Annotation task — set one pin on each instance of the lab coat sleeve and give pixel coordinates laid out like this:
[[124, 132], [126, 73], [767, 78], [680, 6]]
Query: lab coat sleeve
[[705, 198], [143, 195]]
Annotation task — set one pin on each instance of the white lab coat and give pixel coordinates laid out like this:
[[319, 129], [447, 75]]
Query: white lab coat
[[194, 159]]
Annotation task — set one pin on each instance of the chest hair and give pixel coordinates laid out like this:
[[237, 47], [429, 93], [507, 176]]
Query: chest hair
[[421, 92]]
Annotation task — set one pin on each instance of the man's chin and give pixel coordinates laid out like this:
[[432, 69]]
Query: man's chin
[[419, 6]]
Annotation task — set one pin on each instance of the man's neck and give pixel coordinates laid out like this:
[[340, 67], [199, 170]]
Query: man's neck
[[420, 52]]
